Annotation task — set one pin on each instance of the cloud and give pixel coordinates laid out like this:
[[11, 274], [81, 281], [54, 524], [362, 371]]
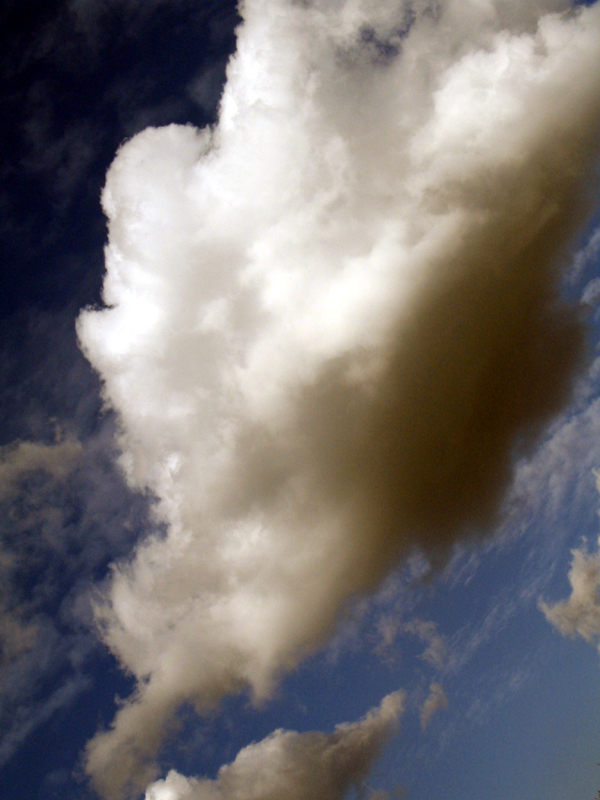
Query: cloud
[[331, 325], [20, 458], [580, 614], [436, 652], [64, 159], [584, 257], [64, 514], [20, 461], [390, 624], [206, 88], [435, 701], [591, 294], [16, 635], [297, 766], [34, 715]]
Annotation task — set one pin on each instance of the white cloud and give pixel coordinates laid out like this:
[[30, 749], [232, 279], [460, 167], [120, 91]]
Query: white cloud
[[332, 324], [580, 614], [435, 701], [295, 766]]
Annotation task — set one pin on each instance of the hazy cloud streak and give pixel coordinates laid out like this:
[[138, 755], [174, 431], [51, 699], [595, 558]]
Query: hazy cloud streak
[[435, 701]]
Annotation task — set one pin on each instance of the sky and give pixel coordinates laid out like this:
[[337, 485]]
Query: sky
[[300, 390]]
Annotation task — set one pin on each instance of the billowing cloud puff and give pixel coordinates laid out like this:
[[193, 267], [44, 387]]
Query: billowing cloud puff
[[332, 323], [295, 766], [580, 614]]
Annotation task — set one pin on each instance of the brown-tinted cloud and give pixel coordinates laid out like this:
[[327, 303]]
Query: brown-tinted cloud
[[580, 614], [332, 326], [297, 766]]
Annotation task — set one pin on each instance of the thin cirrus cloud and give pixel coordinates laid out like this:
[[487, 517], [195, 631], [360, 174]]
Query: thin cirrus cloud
[[331, 324], [64, 515]]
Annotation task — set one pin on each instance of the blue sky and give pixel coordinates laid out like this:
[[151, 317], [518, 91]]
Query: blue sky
[[301, 412]]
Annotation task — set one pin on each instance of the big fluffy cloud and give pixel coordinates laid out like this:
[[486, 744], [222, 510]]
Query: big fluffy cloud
[[331, 324]]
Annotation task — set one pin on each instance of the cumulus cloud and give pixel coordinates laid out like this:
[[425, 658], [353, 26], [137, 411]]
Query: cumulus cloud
[[580, 614], [435, 701], [297, 766], [331, 323]]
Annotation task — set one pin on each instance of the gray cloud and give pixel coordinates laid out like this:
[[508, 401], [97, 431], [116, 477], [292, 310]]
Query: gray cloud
[[332, 325]]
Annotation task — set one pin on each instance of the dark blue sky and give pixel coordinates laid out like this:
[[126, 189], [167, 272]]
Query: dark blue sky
[[75, 85]]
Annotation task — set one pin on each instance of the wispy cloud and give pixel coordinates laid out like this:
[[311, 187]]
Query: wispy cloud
[[435, 701], [390, 625], [584, 257], [21, 458], [33, 715], [436, 652]]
